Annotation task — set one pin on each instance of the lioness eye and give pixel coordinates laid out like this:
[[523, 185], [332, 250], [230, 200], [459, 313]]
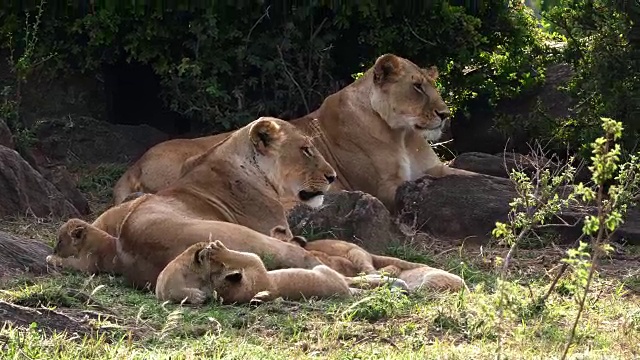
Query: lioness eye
[[307, 151], [418, 87]]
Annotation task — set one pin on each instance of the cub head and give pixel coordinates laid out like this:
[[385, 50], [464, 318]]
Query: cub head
[[405, 96], [291, 162], [71, 238]]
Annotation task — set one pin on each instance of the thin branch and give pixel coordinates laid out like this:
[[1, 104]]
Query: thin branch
[[594, 262], [416, 35], [286, 70]]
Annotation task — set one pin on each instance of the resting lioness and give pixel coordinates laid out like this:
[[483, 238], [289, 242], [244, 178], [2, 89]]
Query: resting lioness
[[241, 277], [231, 192], [83, 247], [350, 259], [372, 132]]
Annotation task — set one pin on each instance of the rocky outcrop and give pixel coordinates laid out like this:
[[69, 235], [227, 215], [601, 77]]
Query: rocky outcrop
[[6, 139], [90, 141], [19, 255], [24, 191], [467, 207], [351, 216]]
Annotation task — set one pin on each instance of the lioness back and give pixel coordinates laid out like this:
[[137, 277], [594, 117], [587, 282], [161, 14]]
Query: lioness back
[[373, 132]]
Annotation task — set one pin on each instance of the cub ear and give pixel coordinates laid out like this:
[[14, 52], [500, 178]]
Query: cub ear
[[300, 240], [386, 68], [201, 256], [264, 134], [432, 73], [77, 234], [234, 277]]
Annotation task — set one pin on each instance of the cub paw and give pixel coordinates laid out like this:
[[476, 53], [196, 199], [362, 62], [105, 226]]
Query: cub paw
[[259, 298], [399, 285], [54, 260], [216, 248], [195, 297]]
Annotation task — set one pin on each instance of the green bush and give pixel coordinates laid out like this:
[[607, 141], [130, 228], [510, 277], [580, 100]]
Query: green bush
[[228, 64], [603, 46]]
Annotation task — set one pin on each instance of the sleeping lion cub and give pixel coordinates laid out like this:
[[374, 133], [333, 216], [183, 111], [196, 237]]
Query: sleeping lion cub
[[206, 268]]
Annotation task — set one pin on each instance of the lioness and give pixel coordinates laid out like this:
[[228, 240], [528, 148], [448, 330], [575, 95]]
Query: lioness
[[83, 247], [372, 132], [231, 192], [241, 277], [350, 260]]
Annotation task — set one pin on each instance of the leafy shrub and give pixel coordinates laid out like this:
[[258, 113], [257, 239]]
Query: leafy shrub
[[231, 63], [603, 46]]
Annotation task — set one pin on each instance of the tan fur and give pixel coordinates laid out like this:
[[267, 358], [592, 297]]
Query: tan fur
[[373, 132], [241, 277], [231, 192], [83, 247], [350, 259]]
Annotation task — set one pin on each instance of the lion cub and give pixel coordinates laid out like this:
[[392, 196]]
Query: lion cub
[[83, 247], [350, 260], [347, 258], [241, 277]]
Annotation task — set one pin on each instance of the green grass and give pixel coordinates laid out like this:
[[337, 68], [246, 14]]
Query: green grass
[[378, 324]]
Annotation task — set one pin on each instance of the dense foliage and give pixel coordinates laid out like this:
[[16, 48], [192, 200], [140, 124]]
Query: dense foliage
[[603, 45], [229, 63]]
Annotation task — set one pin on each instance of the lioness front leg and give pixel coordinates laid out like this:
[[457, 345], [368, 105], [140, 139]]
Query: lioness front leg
[[374, 280]]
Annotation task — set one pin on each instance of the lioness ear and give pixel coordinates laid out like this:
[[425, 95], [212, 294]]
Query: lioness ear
[[279, 232], [432, 73], [386, 68], [264, 134]]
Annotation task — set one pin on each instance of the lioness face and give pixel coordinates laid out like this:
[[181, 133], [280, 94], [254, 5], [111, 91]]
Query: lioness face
[[405, 96], [307, 174], [297, 168], [71, 236]]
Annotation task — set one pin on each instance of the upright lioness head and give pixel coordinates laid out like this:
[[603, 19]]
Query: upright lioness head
[[405, 96], [71, 238], [290, 161]]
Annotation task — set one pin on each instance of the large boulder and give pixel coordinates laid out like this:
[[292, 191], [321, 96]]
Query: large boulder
[[6, 139], [24, 191], [466, 208], [19, 255], [455, 207], [477, 130], [54, 171], [351, 216], [86, 140]]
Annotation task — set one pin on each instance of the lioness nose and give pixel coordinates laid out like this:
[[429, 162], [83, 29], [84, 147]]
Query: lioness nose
[[443, 114], [330, 178]]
